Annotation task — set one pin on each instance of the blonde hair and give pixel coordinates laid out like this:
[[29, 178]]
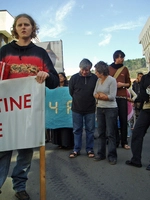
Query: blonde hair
[[33, 23]]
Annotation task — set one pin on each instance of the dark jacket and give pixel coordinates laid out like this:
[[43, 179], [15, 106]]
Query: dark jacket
[[81, 89], [145, 82], [136, 89]]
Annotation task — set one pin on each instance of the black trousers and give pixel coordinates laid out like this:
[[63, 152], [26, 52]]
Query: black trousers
[[139, 131], [122, 113]]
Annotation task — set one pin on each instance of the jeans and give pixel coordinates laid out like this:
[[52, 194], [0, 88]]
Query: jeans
[[20, 171], [88, 120], [139, 131], [122, 113], [106, 121]]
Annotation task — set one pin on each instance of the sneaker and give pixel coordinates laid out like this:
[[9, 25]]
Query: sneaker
[[22, 195]]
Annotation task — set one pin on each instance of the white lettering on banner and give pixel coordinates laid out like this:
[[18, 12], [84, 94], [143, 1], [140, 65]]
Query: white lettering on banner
[[8, 103], [56, 106], [69, 106]]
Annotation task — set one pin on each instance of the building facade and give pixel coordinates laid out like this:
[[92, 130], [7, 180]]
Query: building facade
[[144, 39], [6, 21]]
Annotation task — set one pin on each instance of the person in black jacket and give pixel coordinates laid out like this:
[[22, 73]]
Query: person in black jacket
[[81, 88], [142, 123], [136, 89]]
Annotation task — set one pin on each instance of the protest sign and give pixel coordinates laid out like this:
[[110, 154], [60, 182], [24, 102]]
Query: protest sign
[[22, 113]]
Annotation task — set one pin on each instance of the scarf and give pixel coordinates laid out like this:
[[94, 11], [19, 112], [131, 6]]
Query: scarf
[[116, 66]]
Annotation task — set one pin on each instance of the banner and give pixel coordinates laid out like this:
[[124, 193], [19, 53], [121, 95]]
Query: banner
[[58, 108], [22, 113], [55, 52]]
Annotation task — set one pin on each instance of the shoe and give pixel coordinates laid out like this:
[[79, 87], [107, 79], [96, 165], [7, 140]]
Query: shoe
[[74, 154], [90, 154], [98, 158], [0, 191], [112, 162], [148, 167], [126, 146], [129, 162], [22, 195]]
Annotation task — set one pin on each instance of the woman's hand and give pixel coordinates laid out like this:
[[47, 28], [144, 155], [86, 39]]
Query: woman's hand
[[96, 96], [101, 96], [130, 100], [41, 76]]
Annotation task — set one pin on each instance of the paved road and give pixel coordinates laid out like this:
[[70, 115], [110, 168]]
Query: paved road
[[84, 179]]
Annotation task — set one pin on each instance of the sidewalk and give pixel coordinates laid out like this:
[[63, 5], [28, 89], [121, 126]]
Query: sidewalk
[[82, 178]]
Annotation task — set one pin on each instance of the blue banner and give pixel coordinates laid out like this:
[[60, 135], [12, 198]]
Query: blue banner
[[58, 112]]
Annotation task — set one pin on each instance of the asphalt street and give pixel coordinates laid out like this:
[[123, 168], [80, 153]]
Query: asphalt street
[[82, 178]]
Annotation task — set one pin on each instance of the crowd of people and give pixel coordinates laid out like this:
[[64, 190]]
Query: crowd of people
[[101, 97], [116, 102]]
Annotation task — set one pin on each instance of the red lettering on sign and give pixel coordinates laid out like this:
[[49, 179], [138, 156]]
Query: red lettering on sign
[[1, 130], [0, 101], [10, 103], [5, 104], [26, 100]]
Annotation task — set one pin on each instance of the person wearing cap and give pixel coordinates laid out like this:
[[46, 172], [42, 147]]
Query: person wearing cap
[[81, 88]]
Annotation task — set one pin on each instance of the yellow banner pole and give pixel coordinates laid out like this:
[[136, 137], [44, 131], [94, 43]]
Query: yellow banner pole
[[42, 174]]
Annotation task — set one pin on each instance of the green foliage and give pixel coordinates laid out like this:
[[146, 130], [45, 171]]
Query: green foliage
[[135, 66]]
